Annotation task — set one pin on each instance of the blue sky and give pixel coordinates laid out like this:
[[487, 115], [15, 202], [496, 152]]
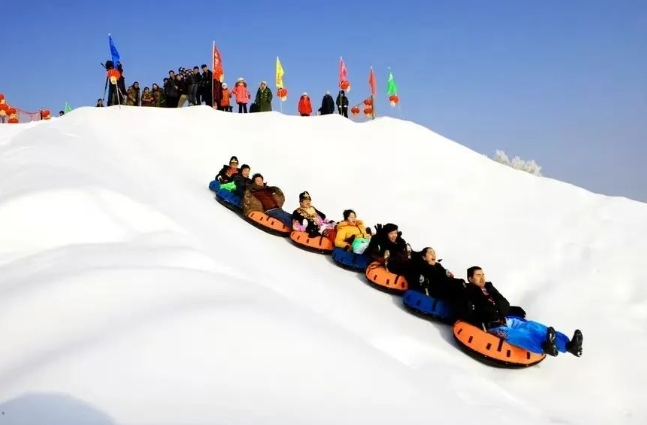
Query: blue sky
[[561, 82]]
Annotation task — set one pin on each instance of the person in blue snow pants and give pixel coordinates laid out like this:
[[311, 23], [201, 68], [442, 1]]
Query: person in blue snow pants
[[530, 335], [485, 306]]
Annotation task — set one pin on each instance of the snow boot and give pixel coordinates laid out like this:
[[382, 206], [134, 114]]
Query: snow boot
[[549, 346], [574, 346]]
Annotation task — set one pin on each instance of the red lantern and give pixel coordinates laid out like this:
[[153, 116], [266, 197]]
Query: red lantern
[[368, 111], [368, 102], [394, 99], [11, 111], [345, 85], [114, 75], [354, 110], [45, 114], [3, 109], [282, 93]]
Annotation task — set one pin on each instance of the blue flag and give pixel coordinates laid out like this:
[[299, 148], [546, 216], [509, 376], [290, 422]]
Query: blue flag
[[113, 51]]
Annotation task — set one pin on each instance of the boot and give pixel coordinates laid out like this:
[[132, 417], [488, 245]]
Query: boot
[[549, 346], [574, 346]]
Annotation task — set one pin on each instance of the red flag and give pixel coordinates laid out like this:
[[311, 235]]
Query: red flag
[[371, 82], [343, 73], [218, 73]]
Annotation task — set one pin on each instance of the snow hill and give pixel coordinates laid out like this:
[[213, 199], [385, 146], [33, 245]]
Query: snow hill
[[129, 296]]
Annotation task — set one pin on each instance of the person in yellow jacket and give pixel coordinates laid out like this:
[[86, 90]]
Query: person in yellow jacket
[[352, 234]]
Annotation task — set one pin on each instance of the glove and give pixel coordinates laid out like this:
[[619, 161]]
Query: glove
[[378, 229], [350, 239], [369, 231], [450, 274]]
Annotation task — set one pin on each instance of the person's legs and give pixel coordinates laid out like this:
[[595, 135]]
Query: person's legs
[[524, 334], [281, 215]]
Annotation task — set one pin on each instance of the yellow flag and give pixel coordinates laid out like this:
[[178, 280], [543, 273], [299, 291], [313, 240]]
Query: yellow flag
[[279, 74]]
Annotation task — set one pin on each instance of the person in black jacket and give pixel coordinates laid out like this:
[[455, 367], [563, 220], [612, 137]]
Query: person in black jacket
[[389, 248], [327, 105], [228, 171], [308, 219], [242, 180], [342, 104], [486, 307], [428, 276]]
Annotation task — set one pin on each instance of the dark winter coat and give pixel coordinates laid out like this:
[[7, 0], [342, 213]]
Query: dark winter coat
[[479, 308], [264, 99], [298, 215], [225, 175], [398, 256], [433, 280], [327, 105], [342, 102], [242, 183]]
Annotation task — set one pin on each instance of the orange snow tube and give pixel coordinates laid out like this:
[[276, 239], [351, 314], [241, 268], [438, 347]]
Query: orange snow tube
[[268, 224], [320, 244], [380, 278], [491, 349]]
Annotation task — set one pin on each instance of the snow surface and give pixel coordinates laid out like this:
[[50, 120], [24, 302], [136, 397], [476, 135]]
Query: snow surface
[[129, 296]]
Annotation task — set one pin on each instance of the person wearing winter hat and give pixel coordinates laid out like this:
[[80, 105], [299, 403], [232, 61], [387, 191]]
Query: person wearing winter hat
[[227, 172], [308, 219], [225, 102], [264, 98], [241, 94], [305, 106], [352, 234], [390, 248]]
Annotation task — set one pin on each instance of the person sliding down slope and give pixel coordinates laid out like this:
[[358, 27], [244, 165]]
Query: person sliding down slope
[[485, 306], [268, 199], [428, 276], [388, 247], [226, 173], [241, 180], [308, 219], [352, 235]]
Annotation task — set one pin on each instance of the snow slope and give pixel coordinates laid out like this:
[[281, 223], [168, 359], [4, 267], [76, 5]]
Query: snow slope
[[129, 296]]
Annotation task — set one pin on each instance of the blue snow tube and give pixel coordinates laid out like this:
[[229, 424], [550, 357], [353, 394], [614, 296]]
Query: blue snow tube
[[427, 306], [229, 197], [214, 185], [350, 260]]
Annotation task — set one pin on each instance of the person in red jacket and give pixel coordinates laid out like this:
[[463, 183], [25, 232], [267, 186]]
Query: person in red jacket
[[305, 106]]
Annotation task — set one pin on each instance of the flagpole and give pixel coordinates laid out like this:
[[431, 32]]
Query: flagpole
[[213, 71]]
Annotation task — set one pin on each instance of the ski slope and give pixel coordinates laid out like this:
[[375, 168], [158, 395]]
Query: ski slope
[[129, 296]]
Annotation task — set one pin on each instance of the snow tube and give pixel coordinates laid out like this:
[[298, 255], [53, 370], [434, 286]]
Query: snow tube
[[491, 349], [229, 199], [350, 260], [214, 185], [268, 224], [428, 307], [380, 278], [320, 244]]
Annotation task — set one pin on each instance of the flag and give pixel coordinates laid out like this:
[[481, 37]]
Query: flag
[[391, 87], [371, 82], [218, 72], [279, 74], [343, 72], [113, 51], [67, 108]]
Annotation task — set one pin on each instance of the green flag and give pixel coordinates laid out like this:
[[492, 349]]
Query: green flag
[[67, 108], [391, 87]]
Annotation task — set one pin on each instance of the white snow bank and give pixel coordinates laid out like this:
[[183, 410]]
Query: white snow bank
[[129, 296]]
